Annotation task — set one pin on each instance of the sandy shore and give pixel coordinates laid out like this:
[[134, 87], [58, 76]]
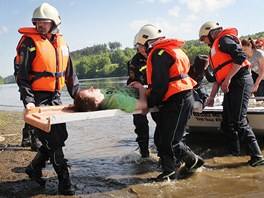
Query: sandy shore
[[13, 160]]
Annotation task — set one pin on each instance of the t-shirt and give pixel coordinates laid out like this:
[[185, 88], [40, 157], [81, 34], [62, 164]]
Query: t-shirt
[[258, 54], [124, 98]]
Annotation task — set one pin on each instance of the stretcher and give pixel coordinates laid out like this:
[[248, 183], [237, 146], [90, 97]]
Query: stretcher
[[45, 116]]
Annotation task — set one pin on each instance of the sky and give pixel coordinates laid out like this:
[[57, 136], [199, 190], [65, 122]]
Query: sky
[[89, 22]]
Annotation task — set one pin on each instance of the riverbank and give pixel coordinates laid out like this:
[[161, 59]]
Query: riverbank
[[102, 158], [14, 158]]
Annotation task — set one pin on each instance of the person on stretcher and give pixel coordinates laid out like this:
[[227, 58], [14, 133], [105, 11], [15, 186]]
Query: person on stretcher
[[130, 98]]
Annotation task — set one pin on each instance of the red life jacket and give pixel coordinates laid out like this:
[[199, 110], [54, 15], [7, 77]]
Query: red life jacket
[[222, 62], [179, 79], [49, 65]]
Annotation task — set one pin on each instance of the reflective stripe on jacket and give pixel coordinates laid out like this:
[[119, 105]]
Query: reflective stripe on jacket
[[222, 62], [49, 65], [179, 79]]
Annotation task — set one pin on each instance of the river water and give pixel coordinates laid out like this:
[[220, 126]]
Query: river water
[[105, 163]]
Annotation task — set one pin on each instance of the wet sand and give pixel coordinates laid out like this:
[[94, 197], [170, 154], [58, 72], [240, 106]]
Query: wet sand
[[104, 163]]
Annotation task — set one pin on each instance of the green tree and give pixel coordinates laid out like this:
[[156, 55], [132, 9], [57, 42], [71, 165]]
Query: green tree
[[114, 45], [110, 70], [84, 69], [1, 80]]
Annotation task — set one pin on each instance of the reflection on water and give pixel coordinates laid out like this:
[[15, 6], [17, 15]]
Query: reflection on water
[[97, 83], [10, 97], [104, 162]]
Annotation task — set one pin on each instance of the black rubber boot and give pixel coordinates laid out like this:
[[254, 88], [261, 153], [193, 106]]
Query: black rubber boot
[[168, 166], [25, 138], [65, 187], [192, 161], [35, 143], [234, 148], [34, 169], [144, 151], [255, 154]]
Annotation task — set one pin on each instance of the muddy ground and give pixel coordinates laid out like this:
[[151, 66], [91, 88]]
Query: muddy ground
[[14, 158]]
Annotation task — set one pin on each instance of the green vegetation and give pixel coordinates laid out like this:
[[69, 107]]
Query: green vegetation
[[109, 60], [1, 80], [102, 60]]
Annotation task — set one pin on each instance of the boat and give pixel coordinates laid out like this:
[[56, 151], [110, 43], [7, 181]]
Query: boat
[[210, 118]]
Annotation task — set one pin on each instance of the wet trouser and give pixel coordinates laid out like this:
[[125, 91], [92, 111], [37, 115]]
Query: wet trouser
[[53, 142], [235, 123], [26, 131], [172, 122], [141, 126], [142, 130]]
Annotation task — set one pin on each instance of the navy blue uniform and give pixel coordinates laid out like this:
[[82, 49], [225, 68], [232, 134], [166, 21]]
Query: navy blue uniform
[[137, 72], [52, 142], [235, 123]]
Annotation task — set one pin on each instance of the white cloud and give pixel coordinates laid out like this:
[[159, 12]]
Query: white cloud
[[3, 30], [174, 11], [199, 6]]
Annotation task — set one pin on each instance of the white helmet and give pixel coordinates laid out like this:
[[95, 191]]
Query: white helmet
[[135, 41], [148, 32], [207, 27], [46, 12]]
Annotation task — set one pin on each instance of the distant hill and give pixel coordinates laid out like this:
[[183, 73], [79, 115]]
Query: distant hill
[[109, 60]]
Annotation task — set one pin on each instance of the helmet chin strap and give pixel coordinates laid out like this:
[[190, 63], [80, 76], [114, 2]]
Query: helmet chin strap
[[149, 45], [213, 32], [52, 28], [210, 39]]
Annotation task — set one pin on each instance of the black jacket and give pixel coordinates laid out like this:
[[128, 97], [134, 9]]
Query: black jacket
[[137, 69]]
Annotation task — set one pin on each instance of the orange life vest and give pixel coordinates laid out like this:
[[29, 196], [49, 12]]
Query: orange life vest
[[179, 79], [49, 66], [222, 62]]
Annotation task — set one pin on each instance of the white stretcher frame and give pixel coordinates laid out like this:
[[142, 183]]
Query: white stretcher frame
[[45, 116]]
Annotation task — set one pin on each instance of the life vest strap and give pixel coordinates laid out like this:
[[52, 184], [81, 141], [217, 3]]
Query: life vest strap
[[175, 78], [222, 65], [179, 77], [45, 74]]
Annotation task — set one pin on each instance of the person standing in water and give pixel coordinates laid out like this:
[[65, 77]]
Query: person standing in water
[[137, 72], [170, 89], [231, 70]]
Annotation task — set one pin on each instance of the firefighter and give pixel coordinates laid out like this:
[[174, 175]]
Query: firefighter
[[45, 67], [170, 89], [231, 71], [137, 72]]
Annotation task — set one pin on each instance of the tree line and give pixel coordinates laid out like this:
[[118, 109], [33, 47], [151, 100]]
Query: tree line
[[109, 60]]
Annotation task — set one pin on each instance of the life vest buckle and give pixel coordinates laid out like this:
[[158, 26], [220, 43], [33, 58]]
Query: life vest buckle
[[46, 74]]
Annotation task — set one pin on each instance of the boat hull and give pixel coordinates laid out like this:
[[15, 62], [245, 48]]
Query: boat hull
[[209, 120]]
